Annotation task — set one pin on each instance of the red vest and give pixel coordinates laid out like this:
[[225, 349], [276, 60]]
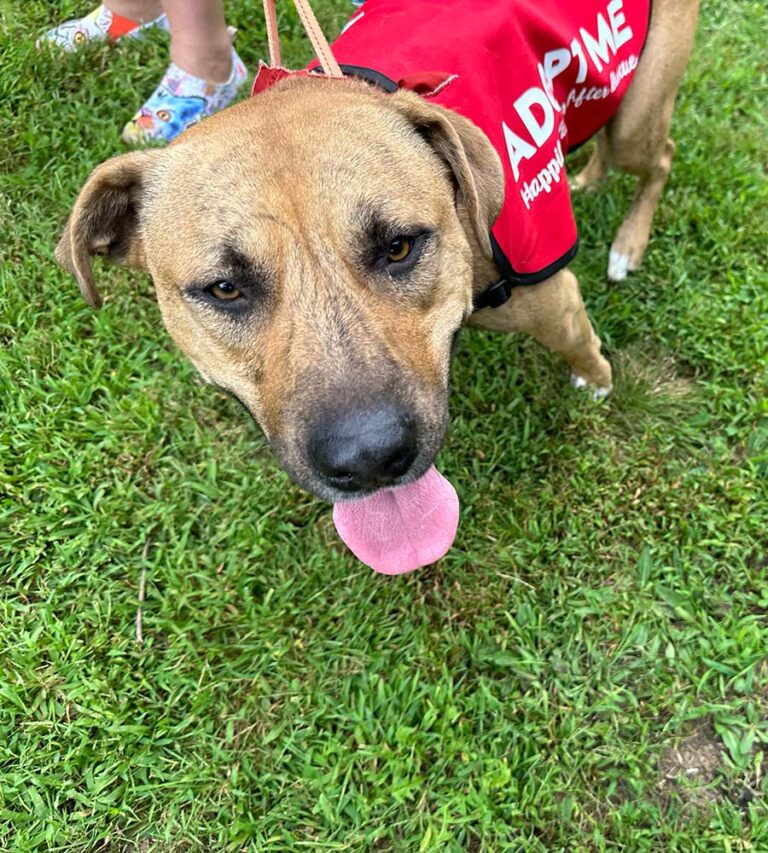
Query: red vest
[[537, 76]]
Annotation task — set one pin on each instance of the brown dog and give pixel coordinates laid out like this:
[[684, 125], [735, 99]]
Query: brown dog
[[278, 240]]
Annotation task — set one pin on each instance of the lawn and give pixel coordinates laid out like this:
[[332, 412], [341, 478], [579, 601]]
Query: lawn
[[587, 669]]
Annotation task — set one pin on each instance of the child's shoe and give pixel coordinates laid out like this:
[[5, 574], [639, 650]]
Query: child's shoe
[[179, 101], [100, 25]]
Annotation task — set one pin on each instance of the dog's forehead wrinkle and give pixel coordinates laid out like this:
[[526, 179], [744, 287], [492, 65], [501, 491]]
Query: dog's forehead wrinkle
[[231, 256], [205, 178], [332, 321], [381, 220], [318, 171]]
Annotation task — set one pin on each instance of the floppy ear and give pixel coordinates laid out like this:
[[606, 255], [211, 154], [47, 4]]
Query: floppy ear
[[105, 220], [472, 159]]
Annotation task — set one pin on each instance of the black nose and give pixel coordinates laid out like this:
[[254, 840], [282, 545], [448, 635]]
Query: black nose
[[364, 449]]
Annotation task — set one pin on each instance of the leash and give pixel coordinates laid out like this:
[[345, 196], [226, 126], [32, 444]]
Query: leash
[[311, 27]]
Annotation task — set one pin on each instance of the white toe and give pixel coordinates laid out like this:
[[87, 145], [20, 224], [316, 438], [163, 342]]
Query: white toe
[[598, 392], [618, 265]]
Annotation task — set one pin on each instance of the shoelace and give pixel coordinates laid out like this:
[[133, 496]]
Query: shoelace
[[311, 27]]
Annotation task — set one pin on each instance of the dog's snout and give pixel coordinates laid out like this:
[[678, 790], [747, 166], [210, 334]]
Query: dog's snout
[[364, 449]]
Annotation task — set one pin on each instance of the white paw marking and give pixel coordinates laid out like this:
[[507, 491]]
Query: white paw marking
[[598, 392], [618, 265]]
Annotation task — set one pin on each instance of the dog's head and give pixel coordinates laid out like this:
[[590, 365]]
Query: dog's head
[[313, 251]]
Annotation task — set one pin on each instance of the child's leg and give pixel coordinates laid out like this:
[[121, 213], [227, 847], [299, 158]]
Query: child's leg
[[204, 75], [136, 10], [200, 41]]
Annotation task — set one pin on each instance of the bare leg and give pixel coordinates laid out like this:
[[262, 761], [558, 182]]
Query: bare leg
[[200, 41], [136, 10], [553, 312]]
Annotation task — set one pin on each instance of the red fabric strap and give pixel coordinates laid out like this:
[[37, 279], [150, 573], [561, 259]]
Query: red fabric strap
[[121, 26]]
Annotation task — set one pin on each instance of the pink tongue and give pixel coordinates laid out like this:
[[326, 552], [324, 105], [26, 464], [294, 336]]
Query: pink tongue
[[400, 529]]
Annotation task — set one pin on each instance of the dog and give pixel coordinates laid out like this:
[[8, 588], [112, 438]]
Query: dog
[[316, 249]]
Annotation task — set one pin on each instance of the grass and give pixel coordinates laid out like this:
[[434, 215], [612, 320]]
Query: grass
[[601, 616]]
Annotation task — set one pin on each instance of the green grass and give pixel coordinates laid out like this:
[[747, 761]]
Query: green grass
[[606, 599]]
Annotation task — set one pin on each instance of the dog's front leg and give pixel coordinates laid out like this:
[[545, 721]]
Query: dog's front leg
[[553, 312]]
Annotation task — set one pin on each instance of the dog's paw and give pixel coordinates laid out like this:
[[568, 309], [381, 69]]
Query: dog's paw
[[598, 392], [592, 175], [584, 183], [619, 265]]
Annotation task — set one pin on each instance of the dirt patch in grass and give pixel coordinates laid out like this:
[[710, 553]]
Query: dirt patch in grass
[[690, 766], [661, 375], [693, 769]]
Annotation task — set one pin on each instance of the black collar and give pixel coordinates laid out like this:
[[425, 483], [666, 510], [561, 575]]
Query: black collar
[[498, 293]]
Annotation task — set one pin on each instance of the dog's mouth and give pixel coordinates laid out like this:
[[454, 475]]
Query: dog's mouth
[[392, 508], [396, 528]]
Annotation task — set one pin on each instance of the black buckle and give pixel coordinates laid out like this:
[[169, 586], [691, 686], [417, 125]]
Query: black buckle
[[499, 292], [494, 296]]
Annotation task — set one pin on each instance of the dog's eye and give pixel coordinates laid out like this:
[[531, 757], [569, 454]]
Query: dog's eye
[[224, 291], [396, 256], [399, 249]]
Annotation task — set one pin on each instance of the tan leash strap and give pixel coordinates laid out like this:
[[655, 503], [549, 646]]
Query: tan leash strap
[[309, 21], [273, 38]]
